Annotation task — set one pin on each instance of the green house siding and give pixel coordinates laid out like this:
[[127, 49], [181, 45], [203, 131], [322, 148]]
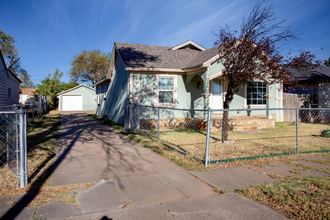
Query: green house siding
[[114, 104], [215, 68], [88, 96], [189, 95], [147, 80]]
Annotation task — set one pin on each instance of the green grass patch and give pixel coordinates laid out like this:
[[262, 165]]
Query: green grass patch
[[304, 198]]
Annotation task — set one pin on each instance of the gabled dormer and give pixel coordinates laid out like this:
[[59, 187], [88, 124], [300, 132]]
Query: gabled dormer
[[188, 45]]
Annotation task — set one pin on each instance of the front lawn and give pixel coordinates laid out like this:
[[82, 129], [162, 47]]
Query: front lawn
[[305, 198], [280, 140]]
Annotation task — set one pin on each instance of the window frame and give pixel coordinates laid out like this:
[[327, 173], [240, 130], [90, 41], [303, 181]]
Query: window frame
[[175, 90], [167, 90], [264, 100]]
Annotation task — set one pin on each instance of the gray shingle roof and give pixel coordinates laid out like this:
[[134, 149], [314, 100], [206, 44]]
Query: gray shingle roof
[[203, 56], [318, 74], [148, 56]]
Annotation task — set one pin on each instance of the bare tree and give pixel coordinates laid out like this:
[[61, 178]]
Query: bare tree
[[250, 54]]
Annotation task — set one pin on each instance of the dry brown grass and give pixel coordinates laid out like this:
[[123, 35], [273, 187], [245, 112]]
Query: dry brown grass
[[304, 198], [42, 141], [278, 140]]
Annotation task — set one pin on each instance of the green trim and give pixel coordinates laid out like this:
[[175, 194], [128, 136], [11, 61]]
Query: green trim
[[262, 156], [248, 158], [317, 151]]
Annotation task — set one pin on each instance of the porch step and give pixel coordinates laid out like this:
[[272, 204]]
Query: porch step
[[247, 127], [238, 123]]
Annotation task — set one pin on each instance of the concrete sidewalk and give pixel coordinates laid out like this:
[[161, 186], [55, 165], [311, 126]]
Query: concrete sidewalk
[[133, 182]]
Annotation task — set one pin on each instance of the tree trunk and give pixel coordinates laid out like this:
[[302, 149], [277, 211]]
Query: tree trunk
[[225, 124]]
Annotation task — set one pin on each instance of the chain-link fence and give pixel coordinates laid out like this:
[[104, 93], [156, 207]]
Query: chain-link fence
[[226, 135], [248, 134], [32, 110], [13, 165], [174, 127], [13, 140]]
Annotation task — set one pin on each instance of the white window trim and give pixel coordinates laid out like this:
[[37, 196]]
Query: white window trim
[[175, 91], [245, 98]]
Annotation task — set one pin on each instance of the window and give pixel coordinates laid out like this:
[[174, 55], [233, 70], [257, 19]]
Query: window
[[165, 90], [9, 93], [256, 92]]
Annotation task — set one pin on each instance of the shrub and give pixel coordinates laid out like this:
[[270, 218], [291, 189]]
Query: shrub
[[325, 133]]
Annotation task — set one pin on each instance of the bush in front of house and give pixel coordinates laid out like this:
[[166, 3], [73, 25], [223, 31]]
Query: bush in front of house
[[325, 133]]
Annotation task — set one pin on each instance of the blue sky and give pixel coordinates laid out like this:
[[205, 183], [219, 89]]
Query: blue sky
[[50, 32]]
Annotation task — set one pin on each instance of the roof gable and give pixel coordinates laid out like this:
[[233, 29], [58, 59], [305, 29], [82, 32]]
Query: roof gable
[[28, 91], [188, 45], [8, 70], [75, 88]]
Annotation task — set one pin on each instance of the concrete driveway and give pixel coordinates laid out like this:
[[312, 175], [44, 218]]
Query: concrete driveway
[[89, 151]]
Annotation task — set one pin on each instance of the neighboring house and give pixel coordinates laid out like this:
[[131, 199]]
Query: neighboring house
[[9, 85], [313, 89], [26, 93], [186, 76], [79, 98]]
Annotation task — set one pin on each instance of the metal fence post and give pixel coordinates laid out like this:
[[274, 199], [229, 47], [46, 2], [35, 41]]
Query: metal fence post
[[27, 112], [25, 153], [7, 137], [21, 148], [207, 138], [158, 125], [17, 130], [297, 130]]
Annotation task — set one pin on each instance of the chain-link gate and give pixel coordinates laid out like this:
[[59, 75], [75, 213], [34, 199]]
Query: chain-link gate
[[13, 161]]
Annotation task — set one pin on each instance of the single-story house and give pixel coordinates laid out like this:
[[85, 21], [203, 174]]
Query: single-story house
[[313, 89], [26, 93], [9, 85], [186, 76], [79, 98]]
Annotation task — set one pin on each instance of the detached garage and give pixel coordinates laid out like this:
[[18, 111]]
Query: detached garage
[[79, 98]]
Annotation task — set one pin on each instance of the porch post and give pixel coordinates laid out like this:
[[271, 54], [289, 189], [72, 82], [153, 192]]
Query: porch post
[[268, 96], [206, 95]]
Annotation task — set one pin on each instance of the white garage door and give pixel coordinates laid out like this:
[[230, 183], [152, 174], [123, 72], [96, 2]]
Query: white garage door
[[72, 103]]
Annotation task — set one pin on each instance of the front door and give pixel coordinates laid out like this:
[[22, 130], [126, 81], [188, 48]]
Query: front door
[[217, 100]]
